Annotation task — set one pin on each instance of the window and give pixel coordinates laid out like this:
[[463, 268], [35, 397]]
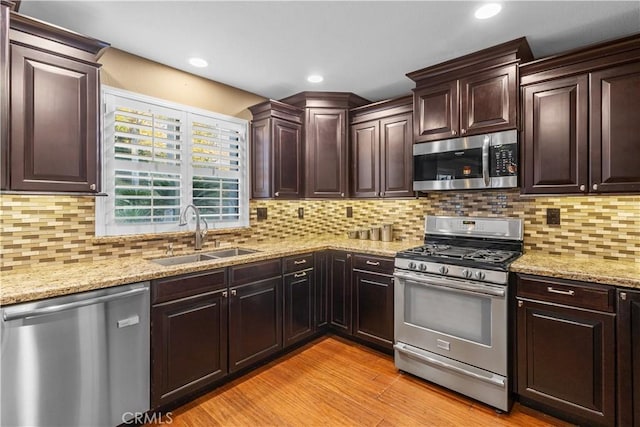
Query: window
[[158, 157]]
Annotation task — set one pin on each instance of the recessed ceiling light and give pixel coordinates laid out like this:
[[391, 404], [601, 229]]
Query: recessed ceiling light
[[198, 62], [488, 10], [315, 78]]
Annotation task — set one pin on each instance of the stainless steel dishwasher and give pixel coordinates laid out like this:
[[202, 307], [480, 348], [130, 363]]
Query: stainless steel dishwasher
[[77, 360]]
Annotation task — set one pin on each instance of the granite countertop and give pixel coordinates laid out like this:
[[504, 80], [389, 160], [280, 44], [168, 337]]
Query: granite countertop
[[49, 281], [608, 272]]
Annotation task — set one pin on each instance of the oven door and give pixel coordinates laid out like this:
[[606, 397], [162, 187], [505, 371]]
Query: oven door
[[459, 319]]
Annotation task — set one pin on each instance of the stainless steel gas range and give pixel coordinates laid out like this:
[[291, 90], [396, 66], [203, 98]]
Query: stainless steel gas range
[[451, 298]]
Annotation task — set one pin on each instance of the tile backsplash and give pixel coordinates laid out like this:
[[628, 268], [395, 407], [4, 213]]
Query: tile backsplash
[[60, 229]]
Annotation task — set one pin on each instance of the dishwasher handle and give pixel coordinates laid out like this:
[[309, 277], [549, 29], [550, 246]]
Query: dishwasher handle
[[9, 315]]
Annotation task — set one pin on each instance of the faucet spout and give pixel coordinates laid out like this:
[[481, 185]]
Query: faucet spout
[[200, 234]]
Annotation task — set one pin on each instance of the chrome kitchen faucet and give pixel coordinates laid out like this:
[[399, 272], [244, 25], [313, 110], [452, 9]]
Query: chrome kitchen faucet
[[200, 234]]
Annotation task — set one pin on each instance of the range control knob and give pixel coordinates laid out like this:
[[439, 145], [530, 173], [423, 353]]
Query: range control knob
[[466, 273], [423, 267], [412, 265], [443, 270], [479, 275]]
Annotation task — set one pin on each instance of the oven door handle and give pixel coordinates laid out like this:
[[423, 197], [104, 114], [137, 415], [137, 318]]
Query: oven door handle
[[442, 282], [402, 348]]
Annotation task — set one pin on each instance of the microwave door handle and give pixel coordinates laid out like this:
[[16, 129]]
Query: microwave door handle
[[485, 161]]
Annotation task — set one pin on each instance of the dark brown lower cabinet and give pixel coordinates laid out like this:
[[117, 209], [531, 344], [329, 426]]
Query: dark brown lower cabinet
[[321, 270], [255, 322], [299, 287], [188, 335], [566, 354], [339, 280], [628, 329], [373, 307]]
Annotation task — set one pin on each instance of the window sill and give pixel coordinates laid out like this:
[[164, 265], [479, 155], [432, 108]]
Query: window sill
[[98, 240]]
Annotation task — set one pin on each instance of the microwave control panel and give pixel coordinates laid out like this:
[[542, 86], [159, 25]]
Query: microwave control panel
[[504, 160]]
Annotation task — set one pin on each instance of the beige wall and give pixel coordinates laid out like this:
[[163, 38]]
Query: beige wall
[[130, 72]]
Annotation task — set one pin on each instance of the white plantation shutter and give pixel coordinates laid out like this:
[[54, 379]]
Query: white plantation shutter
[[216, 153], [158, 157]]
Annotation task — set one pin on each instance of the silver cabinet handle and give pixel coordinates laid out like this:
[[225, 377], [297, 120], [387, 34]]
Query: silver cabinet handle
[[623, 296], [53, 309], [233, 292], [373, 262], [302, 261], [595, 186], [561, 292], [582, 187], [298, 275]]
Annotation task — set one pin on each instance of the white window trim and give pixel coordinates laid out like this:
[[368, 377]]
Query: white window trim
[[105, 206]]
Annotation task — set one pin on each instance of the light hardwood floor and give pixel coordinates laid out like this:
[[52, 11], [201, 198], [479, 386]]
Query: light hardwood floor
[[334, 382]]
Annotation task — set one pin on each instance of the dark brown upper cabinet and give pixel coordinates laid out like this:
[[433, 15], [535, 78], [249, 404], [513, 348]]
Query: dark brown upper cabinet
[[581, 121], [325, 140], [53, 141], [473, 94], [277, 168], [381, 149]]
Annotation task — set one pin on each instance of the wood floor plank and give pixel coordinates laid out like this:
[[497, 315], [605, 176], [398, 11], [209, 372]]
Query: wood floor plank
[[334, 382]]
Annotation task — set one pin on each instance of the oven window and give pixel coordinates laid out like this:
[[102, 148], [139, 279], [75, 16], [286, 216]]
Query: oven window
[[449, 165], [460, 315]]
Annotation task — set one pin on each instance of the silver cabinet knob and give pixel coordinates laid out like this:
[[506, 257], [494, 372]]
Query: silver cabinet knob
[[463, 131], [234, 292], [341, 194], [623, 296], [277, 194], [595, 186], [224, 294], [582, 187], [453, 132], [92, 187]]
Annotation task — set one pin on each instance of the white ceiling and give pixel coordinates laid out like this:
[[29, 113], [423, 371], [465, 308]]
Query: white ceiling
[[269, 47]]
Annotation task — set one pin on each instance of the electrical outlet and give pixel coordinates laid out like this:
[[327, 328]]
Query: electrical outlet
[[349, 212], [553, 216], [300, 213], [262, 213]]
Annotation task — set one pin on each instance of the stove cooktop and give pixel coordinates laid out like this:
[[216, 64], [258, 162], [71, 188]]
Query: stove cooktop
[[461, 255]]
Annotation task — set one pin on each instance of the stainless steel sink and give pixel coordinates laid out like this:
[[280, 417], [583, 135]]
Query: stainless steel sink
[[183, 259], [226, 253], [205, 256]]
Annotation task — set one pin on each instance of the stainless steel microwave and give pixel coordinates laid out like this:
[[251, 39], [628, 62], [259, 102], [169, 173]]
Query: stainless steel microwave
[[479, 161]]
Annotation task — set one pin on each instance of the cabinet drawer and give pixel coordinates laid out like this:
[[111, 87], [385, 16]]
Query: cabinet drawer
[[185, 286], [373, 263], [247, 273], [576, 294], [298, 262]]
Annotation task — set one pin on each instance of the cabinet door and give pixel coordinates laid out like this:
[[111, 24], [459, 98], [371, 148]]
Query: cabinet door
[[188, 345], [322, 289], [287, 153], [488, 101], [436, 112], [54, 123], [628, 328], [615, 129], [340, 291], [555, 136], [365, 159], [255, 322], [396, 148], [566, 360], [298, 306], [373, 308], [261, 159], [326, 151]]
